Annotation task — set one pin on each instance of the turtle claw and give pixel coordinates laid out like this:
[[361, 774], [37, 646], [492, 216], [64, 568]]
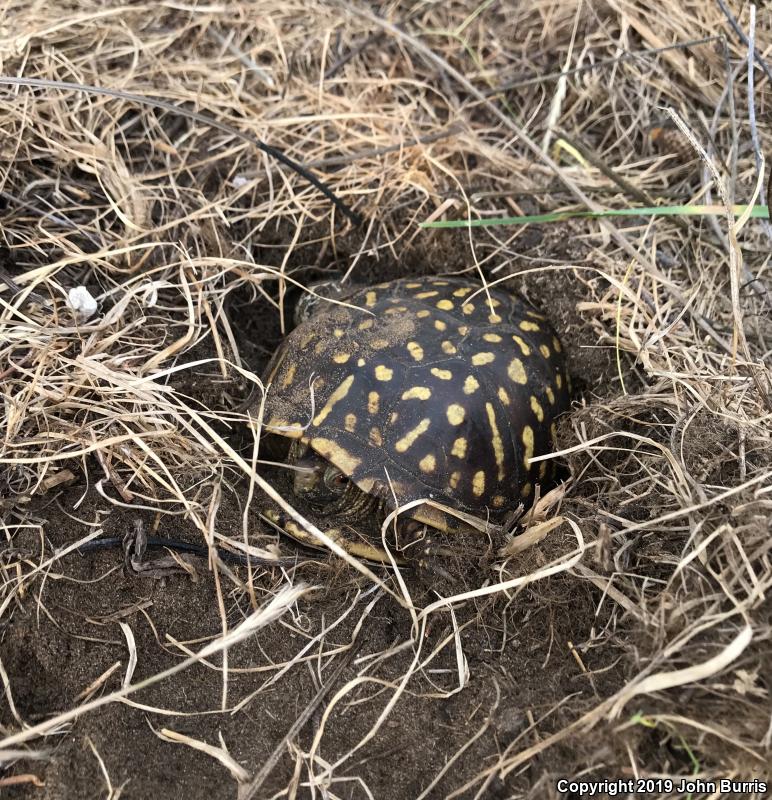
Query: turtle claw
[[424, 552]]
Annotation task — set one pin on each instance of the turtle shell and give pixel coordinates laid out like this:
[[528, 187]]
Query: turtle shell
[[415, 391]]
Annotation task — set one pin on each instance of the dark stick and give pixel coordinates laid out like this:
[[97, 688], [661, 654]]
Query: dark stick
[[355, 51], [743, 38]]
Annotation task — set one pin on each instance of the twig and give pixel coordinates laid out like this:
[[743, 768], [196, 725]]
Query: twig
[[742, 37], [372, 39], [519, 83], [249, 63], [752, 103], [751, 99], [613, 175]]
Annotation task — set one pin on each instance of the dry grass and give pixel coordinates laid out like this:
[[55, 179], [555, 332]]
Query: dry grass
[[176, 227]]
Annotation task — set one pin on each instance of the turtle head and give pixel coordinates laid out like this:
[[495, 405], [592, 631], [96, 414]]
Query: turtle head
[[316, 480], [328, 489], [312, 300]]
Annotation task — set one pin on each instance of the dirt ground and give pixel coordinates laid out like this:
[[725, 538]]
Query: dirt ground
[[509, 647], [351, 691]]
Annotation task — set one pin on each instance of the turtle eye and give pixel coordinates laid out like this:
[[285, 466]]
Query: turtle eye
[[335, 480]]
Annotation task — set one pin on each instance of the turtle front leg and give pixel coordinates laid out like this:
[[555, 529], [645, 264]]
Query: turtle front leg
[[357, 546], [419, 545]]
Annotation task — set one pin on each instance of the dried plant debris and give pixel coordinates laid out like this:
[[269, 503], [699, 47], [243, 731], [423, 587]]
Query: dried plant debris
[[152, 255]]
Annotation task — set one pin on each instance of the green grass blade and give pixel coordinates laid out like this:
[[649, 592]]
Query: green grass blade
[[758, 212]]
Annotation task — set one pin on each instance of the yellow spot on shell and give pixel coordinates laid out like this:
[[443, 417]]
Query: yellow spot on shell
[[445, 305], [417, 393], [525, 325], [370, 299], [366, 325], [524, 348], [415, 350], [440, 325], [553, 433], [468, 308], [337, 333], [479, 359], [526, 490], [413, 285], [338, 455], [373, 403], [442, 374], [463, 330], [504, 396], [379, 344], [289, 376], [439, 283], [423, 313], [535, 314], [498, 446], [516, 371], [463, 291], [453, 479], [478, 483], [350, 422], [425, 295], [556, 344], [494, 318], [341, 358], [383, 373], [471, 385], [542, 470], [491, 337], [393, 417], [459, 448], [544, 350], [448, 347], [334, 398], [360, 362], [427, 463], [537, 409], [455, 414], [559, 381], [276, 423], [375, 437], [404, 443], [528, 442], [498, 501], [550, 395]]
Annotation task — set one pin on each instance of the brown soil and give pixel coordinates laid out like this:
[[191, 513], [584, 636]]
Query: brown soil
[[522, 656], [668, 438]]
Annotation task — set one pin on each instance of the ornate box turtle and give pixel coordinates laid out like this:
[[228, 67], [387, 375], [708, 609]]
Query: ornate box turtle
[[413, 392]]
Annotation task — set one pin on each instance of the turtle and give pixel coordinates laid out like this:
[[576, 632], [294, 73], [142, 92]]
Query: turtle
[[423, 392]]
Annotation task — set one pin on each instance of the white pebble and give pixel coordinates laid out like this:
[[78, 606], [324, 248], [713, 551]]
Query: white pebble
[[82, 301]]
